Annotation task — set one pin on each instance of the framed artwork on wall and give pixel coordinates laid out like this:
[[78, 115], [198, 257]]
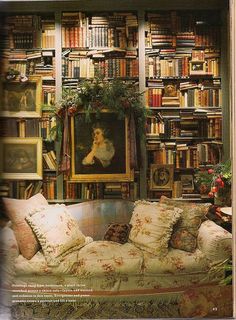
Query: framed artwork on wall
[[100, 148], [187, 182], [161, 177], [21, 158], [21, 99]]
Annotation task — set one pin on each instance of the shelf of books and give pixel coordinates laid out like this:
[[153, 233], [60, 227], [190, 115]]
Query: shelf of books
[[183, 92], [103, 45], [27, 49]]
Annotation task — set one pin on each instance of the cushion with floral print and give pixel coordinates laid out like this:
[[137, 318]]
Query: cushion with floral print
[[152, 225], [57, 232], [118, 232], [185, 232], [17, 210]]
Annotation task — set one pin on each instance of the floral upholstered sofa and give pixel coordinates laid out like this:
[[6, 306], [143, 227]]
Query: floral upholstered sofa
[[149, 248]]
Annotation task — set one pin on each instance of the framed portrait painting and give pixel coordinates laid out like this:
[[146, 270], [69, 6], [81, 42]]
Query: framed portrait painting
[[100, 148], [21, 158], [161, 177], [21, 99]]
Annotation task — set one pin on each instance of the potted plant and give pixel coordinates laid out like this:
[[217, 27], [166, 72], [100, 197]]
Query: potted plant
[[216, 182]]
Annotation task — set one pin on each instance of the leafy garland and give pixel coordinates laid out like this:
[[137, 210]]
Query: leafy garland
[[96, 95]]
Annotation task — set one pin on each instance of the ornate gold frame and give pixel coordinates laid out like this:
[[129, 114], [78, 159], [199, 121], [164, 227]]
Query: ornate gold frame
[[128, 175]]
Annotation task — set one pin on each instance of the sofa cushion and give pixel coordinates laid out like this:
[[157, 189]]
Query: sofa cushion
[[152, 225], [17, 211], [106, 258], [57, 232], [185, 232], [118, 232], [176, 262]]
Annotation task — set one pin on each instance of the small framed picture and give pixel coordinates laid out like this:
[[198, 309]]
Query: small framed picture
[[197, 67], [161, 177], [21, 99], [187, 182], [21, 158]]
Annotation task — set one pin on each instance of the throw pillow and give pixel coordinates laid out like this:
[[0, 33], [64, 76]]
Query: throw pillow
[[185, 231], [17, 211], [152, 225], [57, 232], [118, 232]]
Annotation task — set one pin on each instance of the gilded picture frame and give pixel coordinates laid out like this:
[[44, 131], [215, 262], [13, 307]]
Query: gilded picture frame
[[100, 148], [161, 177], [21, 99], [21, 158]]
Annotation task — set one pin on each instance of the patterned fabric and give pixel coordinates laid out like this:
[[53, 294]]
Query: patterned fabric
[[118, 232], [152, 225], [57, 232], [214, 241], [186, 230], [210, 302], [107, 259], [17, 211], [176, 262]]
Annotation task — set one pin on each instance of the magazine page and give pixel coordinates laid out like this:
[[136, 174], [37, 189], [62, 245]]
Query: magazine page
[[116, 160]]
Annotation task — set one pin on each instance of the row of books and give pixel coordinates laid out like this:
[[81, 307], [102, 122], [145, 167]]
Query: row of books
[[20, 189], [201, 98], [49, 160], [157, 67], [90, 191], [184, 128], [184, 156], [115, 68], [34, 127], [81, 31], [202, 28]]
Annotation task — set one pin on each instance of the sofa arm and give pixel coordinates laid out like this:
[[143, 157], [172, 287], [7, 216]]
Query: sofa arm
[[9, 251], [214, 241]]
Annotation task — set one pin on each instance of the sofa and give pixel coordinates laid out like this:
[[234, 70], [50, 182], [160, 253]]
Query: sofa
[[124, 249]]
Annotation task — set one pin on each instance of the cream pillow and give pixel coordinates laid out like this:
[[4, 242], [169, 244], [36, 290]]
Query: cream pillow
[[152, 225], [17, 210], [57, 232]]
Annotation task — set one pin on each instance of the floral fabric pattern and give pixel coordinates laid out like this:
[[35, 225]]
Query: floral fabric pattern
[[17, 211], [57, 232], [152, 225], [186, 229], [218, 246]]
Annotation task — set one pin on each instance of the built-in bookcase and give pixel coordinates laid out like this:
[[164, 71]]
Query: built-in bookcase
[[175, 55], [183, 78]]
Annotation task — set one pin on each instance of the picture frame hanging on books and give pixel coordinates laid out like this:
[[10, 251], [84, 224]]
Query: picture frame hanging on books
[[21, 99], [197, 67], [21, 158], [187, 182], [161, 177], [100, 148]]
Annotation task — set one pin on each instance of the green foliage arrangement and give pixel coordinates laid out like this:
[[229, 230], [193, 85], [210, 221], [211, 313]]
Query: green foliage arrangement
[[216, 182], [96, 95]]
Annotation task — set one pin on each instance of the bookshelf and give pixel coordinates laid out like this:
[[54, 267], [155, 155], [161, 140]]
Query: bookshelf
[[184, 95], [77, 41], [28, 52]]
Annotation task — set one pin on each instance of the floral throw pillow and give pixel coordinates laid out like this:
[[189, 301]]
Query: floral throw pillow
[[152, 225], [17, 210], [118, 232], [185, 232], [57, 232]]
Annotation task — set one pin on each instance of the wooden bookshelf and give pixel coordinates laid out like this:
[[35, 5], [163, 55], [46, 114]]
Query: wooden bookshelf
[[70, 42], [183, 91]]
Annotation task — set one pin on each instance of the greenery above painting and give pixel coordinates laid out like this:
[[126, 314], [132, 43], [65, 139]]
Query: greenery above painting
[[98, 95]]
